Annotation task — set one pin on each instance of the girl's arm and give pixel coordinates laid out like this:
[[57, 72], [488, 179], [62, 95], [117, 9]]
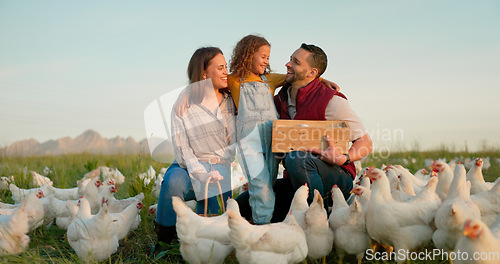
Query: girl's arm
[[329, 84]]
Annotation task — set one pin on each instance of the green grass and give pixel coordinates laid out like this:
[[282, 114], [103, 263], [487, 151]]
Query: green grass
[[50, 245]]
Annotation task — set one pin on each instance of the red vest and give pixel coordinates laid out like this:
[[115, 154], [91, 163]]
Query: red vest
[[311, 103]]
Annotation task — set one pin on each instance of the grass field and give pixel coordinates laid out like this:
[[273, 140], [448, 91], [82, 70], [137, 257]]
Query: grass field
[[50, 245]]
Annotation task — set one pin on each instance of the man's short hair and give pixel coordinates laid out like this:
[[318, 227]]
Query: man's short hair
[[317, 59]]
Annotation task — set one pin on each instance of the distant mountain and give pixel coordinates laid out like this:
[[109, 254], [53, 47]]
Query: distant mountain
[[90, 141]]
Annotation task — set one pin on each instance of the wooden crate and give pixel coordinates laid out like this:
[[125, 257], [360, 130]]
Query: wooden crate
[[289, 135]]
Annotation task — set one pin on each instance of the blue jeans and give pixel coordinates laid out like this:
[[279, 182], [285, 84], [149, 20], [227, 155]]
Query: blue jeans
[[177, 182], [305, 167], [256, 113]]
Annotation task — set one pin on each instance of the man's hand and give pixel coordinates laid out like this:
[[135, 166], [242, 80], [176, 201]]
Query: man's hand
[[332, 154]]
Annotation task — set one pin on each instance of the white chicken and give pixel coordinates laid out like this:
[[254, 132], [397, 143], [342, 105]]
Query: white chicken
[[202, 239], [92, 194], [319, 236], [148, 176], [453, 212], [93, 237], [478, 240], [406, 185], [475, 176], [64, 194], [13, 229], [363, 195], [34, 209], [417, 183], [395, 186], [488, 203], [19, 194], [39, 180], [157, 185], [405, 226], [152, 209], [283, 242], [81, 184], [92, 174], [116, 205], [299, 205], [428, 193], [445, 176], [127, 220], [422, 175], [115, 174], [106, 183], [63, 222], [349, 226], [5, 181], [47, 171]]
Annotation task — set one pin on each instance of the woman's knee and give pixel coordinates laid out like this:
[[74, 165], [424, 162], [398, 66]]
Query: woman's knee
[[175, 182]]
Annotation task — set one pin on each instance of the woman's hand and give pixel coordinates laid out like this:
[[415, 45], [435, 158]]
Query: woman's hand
[[205, 176]]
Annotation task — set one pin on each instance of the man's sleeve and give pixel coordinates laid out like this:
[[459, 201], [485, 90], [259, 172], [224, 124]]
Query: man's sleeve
[[339, 109]]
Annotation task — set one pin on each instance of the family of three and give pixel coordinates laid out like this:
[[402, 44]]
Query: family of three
[[221, 114]]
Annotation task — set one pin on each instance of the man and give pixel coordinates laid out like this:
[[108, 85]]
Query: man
[[304, 97]]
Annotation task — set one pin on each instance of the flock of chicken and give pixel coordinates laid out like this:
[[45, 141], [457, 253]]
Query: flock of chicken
[[94, 219], [390, 209]]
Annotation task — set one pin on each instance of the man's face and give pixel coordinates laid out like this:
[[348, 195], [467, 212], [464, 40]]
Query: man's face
[[298, 67]]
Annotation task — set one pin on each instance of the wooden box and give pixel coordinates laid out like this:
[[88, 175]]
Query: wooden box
[[289, 135]]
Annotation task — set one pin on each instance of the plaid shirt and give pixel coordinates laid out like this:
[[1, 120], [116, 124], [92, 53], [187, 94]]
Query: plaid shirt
[[201, 133]]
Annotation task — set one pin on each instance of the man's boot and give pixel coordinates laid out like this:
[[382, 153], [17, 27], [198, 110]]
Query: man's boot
[[165, 235]]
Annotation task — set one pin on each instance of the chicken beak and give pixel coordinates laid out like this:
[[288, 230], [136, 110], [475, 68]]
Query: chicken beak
[[467, 229]]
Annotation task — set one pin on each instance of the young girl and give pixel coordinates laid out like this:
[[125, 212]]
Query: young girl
[[203, 139], [252, 88]]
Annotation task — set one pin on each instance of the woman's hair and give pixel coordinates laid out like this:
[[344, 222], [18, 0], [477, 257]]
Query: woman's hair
[[241, 59], [196, 90], [199, 62]]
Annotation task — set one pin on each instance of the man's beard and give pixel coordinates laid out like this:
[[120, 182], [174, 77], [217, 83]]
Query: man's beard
[[296, 76]]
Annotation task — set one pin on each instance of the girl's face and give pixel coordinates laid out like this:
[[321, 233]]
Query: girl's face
[[217, 71], [261, 60]]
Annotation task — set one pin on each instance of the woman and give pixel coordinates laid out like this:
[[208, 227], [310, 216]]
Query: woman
[[203, 140]]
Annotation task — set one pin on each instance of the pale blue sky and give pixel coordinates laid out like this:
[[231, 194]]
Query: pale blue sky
[[423, 71]]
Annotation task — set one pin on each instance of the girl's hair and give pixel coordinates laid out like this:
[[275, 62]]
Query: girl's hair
[[196, 90], [241, 59]]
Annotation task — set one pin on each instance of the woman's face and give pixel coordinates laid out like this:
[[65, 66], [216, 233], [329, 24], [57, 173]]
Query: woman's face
[[217, 71], [261, 60]]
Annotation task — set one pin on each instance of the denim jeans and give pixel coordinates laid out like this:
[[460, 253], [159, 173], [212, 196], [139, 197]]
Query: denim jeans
[[177, 182], [256, 113], [304, 167]]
